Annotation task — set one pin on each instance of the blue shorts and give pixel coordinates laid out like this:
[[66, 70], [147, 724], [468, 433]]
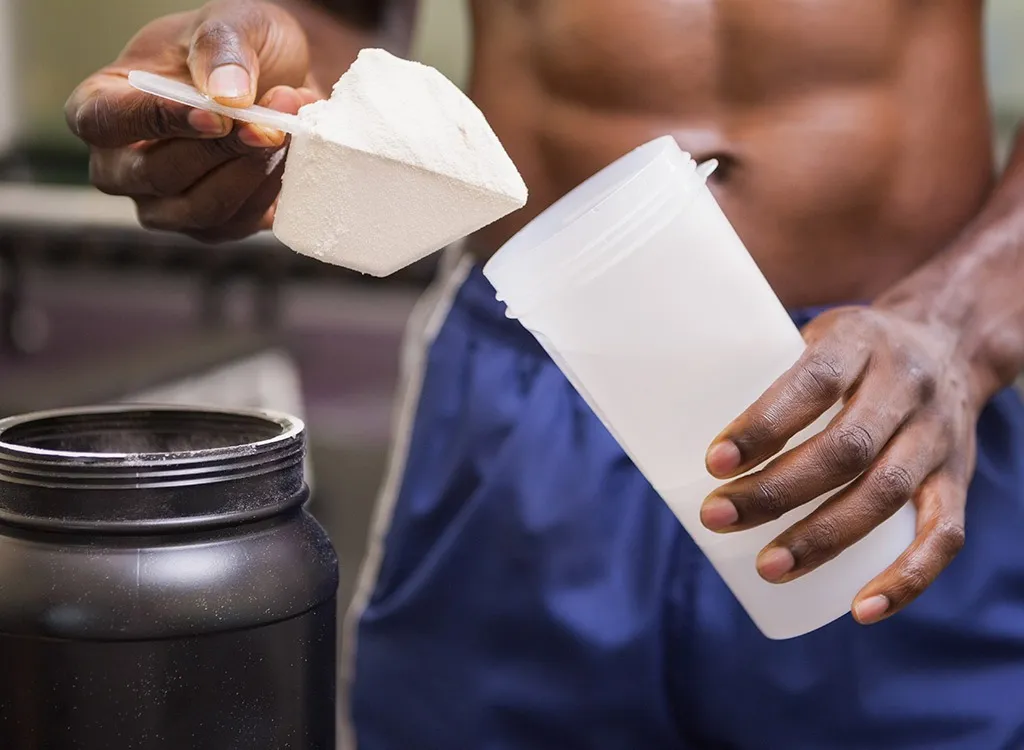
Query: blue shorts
[[526, 589]]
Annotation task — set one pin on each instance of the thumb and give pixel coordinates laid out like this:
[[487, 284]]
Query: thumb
[[222, 58]]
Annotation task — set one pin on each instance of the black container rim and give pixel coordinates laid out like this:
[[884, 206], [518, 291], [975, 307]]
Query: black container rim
[[246, 466], [291, 430]]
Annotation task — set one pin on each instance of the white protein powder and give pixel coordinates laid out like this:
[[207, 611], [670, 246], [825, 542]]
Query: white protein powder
[[396, 164]]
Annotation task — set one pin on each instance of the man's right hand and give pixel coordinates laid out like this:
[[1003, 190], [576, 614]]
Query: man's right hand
[[187, 170]]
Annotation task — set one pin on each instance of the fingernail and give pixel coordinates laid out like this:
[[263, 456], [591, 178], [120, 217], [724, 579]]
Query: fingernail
[[228, 82], [723, 458], [718, 513], [273, 138], [871, 609], [256, 136], [775, 562], [208, 122]]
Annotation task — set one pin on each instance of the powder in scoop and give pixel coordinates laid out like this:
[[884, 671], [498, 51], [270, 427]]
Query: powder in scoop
[[396, 164]]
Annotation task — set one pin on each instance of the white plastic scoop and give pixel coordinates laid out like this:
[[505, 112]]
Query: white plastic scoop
[[398, 163], [176, 91]]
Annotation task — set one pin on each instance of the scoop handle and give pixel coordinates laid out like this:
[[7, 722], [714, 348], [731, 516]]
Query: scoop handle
[[176, 91]]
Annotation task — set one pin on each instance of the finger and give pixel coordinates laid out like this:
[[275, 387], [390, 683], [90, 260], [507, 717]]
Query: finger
[[255, 214], [169, 168], [280, 98], [846, 518], [107, 112], [162, 168], [830, 459], [212, 202], [222, 57], [307, 95], [822, 375], [940, 536]]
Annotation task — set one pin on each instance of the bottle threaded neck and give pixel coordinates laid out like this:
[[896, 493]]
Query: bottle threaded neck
[[139, 467]]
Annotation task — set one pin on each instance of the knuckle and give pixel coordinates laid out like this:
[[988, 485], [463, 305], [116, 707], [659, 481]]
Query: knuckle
[[218, 40], [893, 484], [760, 430], [823, 539], [922, 381], [914, 579], [83, 110], [135, 173], [156, 118], [121, 172], [99, 173], [149, 217], [824, 376], [850, 448], [950, 536], [768, 498], [87, 120], [174, 173], [210, 214], [72, 116], [166, 119], [215, 30]]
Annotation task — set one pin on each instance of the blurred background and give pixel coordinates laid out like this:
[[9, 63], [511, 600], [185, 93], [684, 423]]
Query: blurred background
[[92, 309]]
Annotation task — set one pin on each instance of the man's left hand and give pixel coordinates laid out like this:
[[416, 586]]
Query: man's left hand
[[906, 433]]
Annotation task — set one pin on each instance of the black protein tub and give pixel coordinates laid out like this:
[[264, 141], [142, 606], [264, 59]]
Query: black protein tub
[[161, 585]]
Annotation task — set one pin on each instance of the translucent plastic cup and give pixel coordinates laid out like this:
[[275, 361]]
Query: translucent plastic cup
[[640, 290]]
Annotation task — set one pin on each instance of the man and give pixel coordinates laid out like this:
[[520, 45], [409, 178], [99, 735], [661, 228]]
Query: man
[[525, 588]]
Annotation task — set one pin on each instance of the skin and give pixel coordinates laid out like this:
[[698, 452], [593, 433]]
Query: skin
[[856, 164]]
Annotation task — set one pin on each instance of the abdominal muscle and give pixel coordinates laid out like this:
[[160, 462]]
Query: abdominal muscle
[[846, 161]]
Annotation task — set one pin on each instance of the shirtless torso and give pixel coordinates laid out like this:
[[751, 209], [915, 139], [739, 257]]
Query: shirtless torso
[[854, 137]]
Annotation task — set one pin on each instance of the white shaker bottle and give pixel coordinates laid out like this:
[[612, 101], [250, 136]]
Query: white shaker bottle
[[640, 290]]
